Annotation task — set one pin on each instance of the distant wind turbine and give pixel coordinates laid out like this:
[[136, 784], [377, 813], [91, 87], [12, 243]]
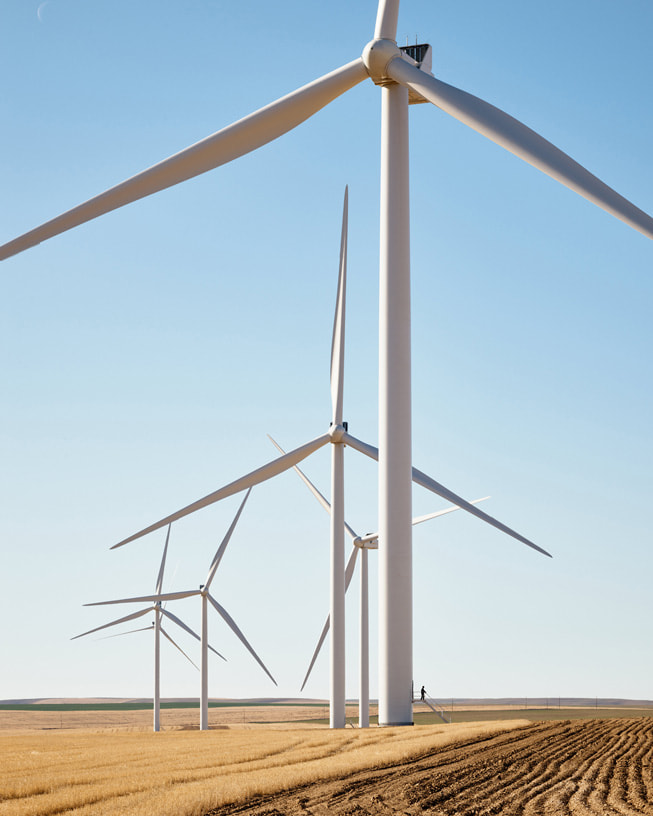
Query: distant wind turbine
[[207, 598], [404, 76], [369, 541], [158, 630]]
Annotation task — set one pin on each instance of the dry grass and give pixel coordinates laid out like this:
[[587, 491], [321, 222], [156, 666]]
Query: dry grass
[[187, 773]]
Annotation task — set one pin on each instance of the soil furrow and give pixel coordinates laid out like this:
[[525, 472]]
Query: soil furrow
[[582, 768], [636, 794]]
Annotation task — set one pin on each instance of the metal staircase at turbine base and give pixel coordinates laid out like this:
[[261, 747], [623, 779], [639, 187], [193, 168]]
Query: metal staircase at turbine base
[[434, 706]]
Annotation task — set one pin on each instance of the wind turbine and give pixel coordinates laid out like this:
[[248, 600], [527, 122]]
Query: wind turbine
[[158, 597], [403, 75], [369, 541], [158, 629]]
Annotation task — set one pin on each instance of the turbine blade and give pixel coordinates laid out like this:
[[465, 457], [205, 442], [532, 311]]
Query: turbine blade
[[228, 144], [166, 596], [159, 580], [387, 15], [115, 622], [325, 632], [338, 337], [349, 572], [429, 516], [215, 651], [231, 623], [520, 140], [440, 490], [177, 646], [361, 447], [223, 546], [351, 565], [186, 628], [374, 537], [255, 477], [435, 487], [128, 632], [309, 484]]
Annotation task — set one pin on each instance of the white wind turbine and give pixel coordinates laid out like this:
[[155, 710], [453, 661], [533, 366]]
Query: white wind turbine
[[158, 598], [403, 79], [369, 541], [158, 630]]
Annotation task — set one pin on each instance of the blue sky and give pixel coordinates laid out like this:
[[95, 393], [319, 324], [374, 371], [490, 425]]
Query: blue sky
[[146, 355]]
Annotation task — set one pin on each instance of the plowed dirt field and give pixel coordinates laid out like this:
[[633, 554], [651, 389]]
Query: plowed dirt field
[[581, 768]]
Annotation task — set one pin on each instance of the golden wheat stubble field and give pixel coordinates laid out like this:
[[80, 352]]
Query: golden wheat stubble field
[[516, 767]]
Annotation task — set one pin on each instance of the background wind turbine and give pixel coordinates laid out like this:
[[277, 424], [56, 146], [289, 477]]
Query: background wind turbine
[[158, 610], [369, 541], [207, 598], [522, 264]]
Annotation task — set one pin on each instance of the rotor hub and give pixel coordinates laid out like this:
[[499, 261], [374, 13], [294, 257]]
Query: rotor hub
[[366, 543], [377, 55], [336, 432]]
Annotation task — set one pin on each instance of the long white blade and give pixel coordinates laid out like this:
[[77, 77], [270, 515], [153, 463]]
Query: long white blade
[[255, 477], [440, 490], [372, 538], [520, 140], [159, 580], [128, 632], [338, 337], [360, 446], [349, 573], [180, 623], [223, 546], [234, 627], [351, 564], [177, 646], [387, 15], [429, 516], [115, 622], [166, 596], [322, 638], [228, 144], [435, 487], [309, 484]]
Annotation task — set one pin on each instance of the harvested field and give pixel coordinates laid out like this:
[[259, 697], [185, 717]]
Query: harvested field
[[187, 773], [576, 768], [584, 768]]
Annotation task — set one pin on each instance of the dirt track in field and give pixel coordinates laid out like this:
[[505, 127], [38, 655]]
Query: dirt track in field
[[599, 767]]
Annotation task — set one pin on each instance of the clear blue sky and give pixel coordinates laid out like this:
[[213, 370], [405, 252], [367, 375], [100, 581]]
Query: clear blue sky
[[146, 355]]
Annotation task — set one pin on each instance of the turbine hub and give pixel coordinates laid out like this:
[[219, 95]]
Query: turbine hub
[[336, 433], [377, 55]]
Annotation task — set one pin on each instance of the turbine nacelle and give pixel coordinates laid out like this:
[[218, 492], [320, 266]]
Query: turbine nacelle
[[370, 541]]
